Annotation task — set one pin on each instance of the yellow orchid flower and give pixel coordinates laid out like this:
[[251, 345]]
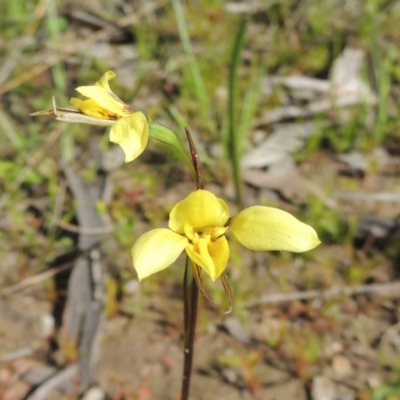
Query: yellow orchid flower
[[198, 225], [130, 129]]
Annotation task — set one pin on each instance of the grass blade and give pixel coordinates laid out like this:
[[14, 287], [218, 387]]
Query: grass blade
[[233, 138], [198, 82]]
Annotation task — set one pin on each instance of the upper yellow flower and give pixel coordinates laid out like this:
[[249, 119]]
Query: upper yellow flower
[[198, 224], [130, 129]]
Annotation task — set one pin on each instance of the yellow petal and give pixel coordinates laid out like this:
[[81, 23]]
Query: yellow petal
[[104, 100], [211, 256], [156, 250], [77, 103], [132, 134], [104, 97], [103, 81], [200, 209], [266, 228], [92, 109]]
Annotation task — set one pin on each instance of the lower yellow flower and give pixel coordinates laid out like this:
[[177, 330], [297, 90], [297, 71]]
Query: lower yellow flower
[[198, 225]]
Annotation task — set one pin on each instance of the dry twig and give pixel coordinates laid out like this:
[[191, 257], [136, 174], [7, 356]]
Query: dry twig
[[387, 289]]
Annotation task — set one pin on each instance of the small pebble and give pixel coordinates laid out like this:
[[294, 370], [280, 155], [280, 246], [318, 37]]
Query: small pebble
[[47, 325], [323, 389], [132, 286], [94, 393], [341, 366]]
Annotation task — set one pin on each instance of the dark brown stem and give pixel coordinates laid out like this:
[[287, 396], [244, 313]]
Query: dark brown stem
[[190, 291], [190, 298], [196, 160]]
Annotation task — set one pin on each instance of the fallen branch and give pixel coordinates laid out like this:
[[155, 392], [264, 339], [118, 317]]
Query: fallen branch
[[34, 280], [387, 289]]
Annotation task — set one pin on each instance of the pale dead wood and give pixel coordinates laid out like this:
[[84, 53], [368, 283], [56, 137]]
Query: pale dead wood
[[34, 280], [84, 230], [386, 289], [383, 197]]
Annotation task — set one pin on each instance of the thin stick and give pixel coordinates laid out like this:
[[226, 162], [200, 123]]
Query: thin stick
[[34, 280], [84, 230], [387, 289]]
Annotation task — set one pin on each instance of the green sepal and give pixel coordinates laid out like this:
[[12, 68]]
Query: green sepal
[[166, 136]]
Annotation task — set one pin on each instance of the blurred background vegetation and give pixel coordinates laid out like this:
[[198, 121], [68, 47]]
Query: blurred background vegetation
[[235, 73]]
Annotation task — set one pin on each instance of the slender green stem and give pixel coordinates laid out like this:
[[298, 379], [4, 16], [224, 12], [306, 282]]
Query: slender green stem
[[233, 141], [199, 87]]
